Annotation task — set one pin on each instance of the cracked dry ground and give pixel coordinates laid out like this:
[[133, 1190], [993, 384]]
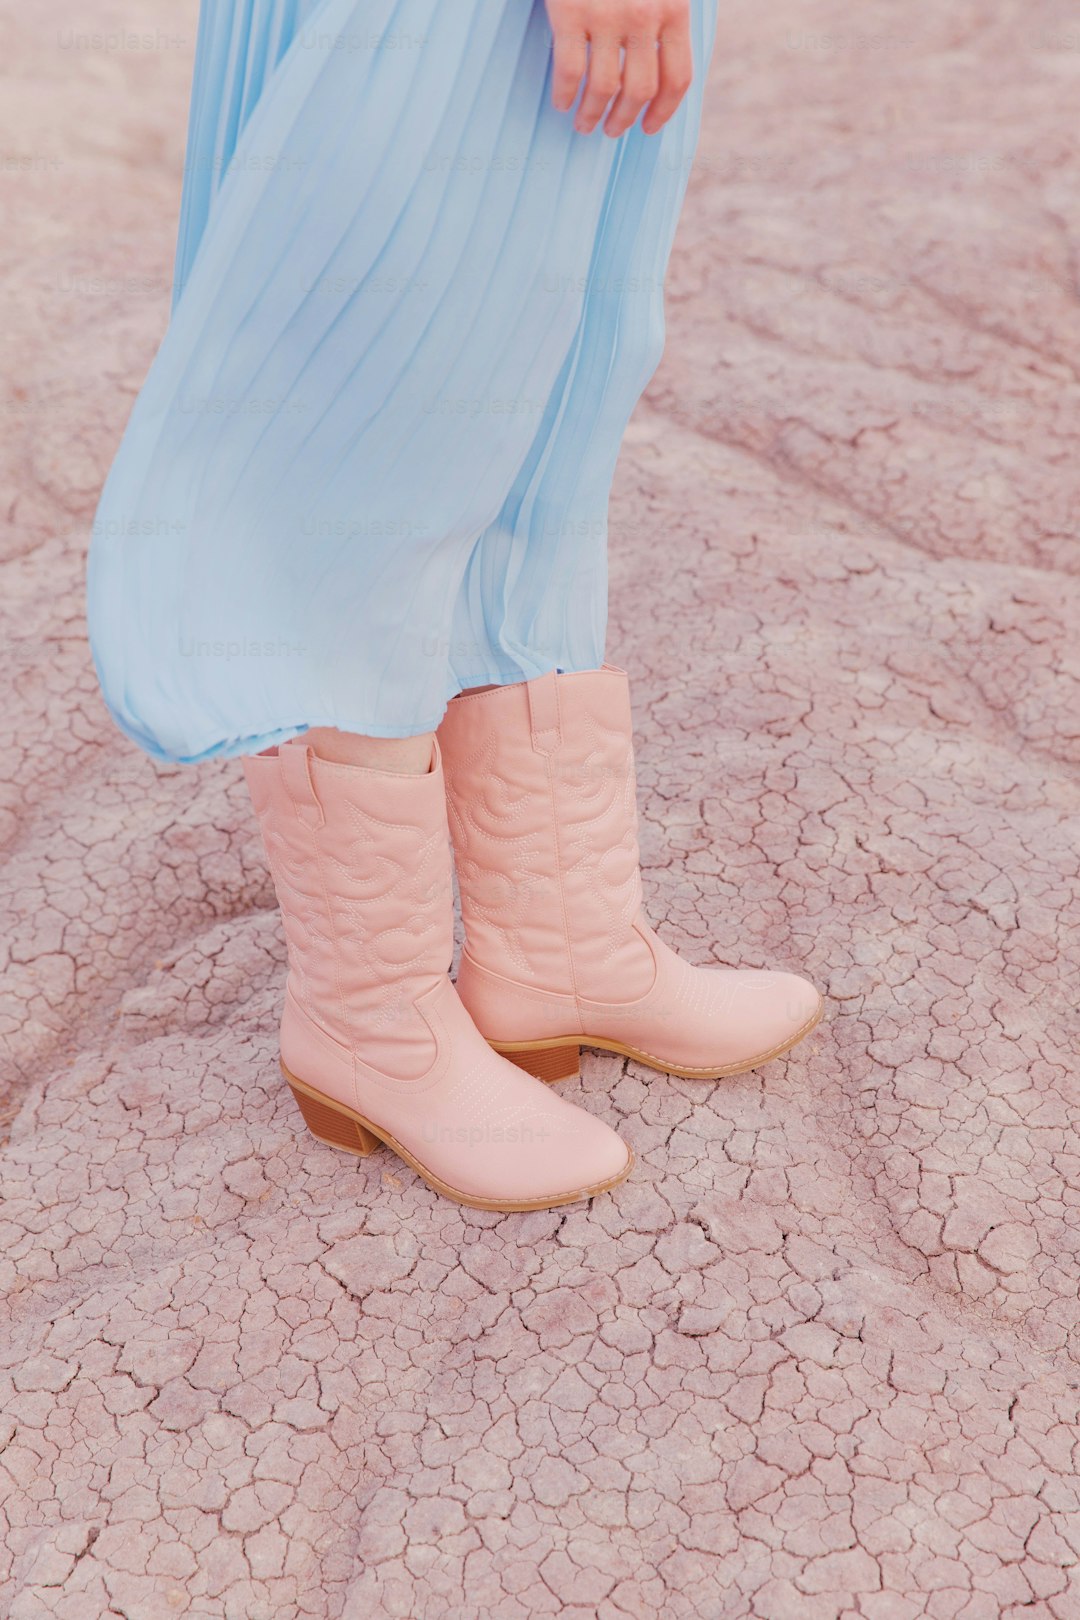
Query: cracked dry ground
[[817, 1360]]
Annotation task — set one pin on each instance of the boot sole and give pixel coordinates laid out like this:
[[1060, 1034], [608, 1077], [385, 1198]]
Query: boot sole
[[559, 1058], [342, 1127]]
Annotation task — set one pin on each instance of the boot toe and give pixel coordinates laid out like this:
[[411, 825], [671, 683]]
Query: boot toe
[[781, 1008], [605, 1157], [750, 1016], [586, 1154]]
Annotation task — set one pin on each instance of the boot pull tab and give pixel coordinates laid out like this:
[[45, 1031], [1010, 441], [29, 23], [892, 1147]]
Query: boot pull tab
[[294, 761], [544, 718]]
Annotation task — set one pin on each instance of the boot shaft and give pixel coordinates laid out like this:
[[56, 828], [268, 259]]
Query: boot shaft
[[361, 866], [540, 780], [559, 954]]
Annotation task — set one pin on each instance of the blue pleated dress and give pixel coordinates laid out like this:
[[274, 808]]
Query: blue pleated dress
[[413, 312]]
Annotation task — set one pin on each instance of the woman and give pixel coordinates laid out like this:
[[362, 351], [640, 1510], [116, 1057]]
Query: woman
[[418, 294]]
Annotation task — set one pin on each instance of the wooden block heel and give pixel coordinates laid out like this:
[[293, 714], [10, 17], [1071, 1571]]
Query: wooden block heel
[[330, 1124], [548, 1061]]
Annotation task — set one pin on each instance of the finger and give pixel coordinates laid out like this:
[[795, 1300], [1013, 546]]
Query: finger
[[570, 61], [603, 82], [676, 76], [640, 83]]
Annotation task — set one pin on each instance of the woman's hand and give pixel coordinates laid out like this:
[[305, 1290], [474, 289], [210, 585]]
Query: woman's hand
[[637, 51]]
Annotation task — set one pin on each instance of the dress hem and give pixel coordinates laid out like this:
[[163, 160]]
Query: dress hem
[[274, 736]]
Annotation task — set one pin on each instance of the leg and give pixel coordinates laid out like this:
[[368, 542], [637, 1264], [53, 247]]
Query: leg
[[406, 756]]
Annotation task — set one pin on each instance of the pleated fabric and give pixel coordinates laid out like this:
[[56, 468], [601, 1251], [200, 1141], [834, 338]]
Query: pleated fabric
[[413, 311]]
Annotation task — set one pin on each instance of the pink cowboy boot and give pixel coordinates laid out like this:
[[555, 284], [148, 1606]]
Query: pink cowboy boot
[[558, 953], [374, 1041]]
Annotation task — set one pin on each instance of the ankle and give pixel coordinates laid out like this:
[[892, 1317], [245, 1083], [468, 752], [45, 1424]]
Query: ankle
[[401, 756]]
